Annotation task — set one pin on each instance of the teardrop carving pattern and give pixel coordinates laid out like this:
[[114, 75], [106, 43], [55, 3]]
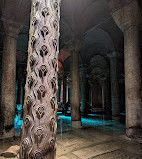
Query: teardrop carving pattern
[[55, 24], [52, 102], [41, 92], [55, 44], [43, 51], [40, 111], [27, 121], [52, 126], [44, 31], [23, 148], [32, 62], [42, 71], [52, 144], [56, 6], [39, 126], [33, 41], [54, 64], [54, 85], [34, 21], [39, 134], [36, 5], [37, 155], [45, 12], [29, 103], [30, 82]]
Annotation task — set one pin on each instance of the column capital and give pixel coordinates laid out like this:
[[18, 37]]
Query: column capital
[[83, 68], [66, 74], [114, 54], [126, 14], [11, 28], [77, 43]]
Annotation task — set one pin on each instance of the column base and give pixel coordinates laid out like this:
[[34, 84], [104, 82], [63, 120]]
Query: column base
[[76, 124], [116, 118], [135, 133], [9, 134], [84, 114]]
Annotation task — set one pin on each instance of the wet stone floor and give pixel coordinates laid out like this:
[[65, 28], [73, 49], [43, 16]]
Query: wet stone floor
[[98, 139]]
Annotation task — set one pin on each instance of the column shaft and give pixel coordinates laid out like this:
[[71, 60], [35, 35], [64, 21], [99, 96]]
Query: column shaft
[[75, 111], [64, 89], [83, 93], [8, 85], [132, 82], [115, 89]]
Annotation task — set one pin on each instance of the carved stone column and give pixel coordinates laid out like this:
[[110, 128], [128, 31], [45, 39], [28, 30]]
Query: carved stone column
[[83, 70], [11, 30], [115, 100], [40, 105], [75, 106], [128, 19]]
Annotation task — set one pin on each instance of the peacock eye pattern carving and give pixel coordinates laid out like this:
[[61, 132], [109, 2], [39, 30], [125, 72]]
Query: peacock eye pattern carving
[[44, 32], [42, 71], [56, 6], [54, 64], [41, 92], [45, 12], [55, 24], [30, 81], [33, 41], [32, 62], [53, 103], [29, 103], [40, 111], [27, 122], [39, 125], [37, 155], [55, 44], [43, 51], [36, 5], [39, 134], [54, 85], [34, 21]]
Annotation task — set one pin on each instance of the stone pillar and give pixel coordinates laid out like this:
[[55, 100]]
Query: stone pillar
[[90, 93], [64, 88], [59, 89], [75, 107], [61, 94], [83, 70], [67, 93], [102, 82], [128, 18], [11, 30], [107, 97], [115, 101]]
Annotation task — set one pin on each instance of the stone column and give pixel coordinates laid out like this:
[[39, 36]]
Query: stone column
[[67, 93], [11, 30], [102, 82], [75, 107], [59, 89], [128, 18], [115, 101], [64, 88], [107, 97], [90, 93], [83, 70]]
